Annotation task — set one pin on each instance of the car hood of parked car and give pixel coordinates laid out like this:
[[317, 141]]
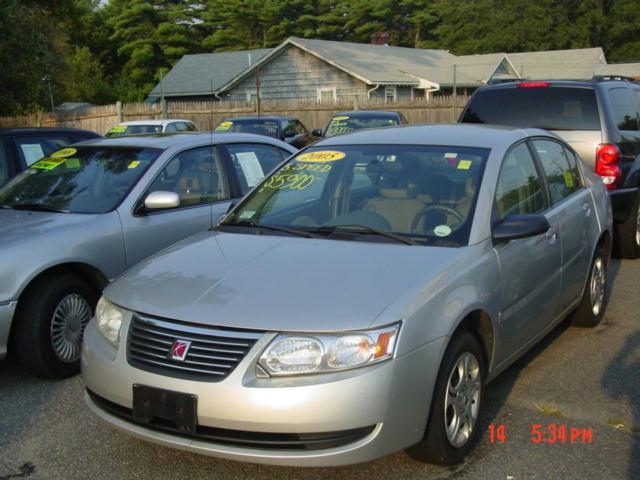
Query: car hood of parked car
[[273, 282], [20, 226]]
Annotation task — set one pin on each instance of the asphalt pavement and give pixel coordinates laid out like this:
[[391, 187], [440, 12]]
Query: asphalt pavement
[[579, 388]]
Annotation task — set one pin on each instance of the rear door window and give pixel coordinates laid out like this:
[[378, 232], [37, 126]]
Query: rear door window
[[33, 148], [252, 162], [563, 179], [551, 108], [625, 108]]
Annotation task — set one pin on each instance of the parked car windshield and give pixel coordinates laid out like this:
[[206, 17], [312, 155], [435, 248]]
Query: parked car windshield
[[258, 127], [78, 180], [122, 130], [424, 193], [345, 123], [551, 108]]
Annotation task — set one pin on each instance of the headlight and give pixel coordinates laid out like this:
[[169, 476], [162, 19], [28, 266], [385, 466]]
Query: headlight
[[321, 353], [109, 319]]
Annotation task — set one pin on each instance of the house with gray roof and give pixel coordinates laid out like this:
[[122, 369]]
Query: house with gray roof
[[326, 70]]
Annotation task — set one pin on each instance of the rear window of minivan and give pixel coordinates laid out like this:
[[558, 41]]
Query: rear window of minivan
[[551, 108]]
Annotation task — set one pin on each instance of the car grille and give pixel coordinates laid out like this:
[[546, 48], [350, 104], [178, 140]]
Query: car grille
[[212, 355], [242, 438]]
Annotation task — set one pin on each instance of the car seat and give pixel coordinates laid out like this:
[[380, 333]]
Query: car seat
[[395, 202]]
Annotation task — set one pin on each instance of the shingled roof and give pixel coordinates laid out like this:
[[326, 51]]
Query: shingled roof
[[199, 74]]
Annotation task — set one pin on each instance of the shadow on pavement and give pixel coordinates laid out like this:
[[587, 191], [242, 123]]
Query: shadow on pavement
[[620, 380]]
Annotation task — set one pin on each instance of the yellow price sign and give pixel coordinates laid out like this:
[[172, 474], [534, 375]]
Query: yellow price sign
[[464, 164], [224, 126], [64, 153], [321, 157], [48, 163]]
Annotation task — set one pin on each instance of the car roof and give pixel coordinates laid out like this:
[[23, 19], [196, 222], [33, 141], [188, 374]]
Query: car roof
[[457, 134], [553, 83], [168, 140], [367, 113], [45, 130], [163, 121], [270, 118]]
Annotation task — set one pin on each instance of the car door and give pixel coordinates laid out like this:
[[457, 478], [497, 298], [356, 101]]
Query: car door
[[199, 178], [529, 267], [8, 167], [573, 205]]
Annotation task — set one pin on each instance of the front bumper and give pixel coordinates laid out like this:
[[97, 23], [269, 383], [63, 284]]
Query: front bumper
[[7, 311], [387, 403], [622, 202]]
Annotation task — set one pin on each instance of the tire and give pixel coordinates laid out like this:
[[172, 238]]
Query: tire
[[593, 303], [628, 234], [437, 445], [72, 301]]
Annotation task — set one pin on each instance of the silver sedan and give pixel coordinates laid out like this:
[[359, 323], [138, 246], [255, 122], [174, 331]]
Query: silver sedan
[[76, 219], [357, 301]]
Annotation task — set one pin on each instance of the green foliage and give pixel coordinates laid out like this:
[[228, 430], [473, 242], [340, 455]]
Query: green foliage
[[99, 51]]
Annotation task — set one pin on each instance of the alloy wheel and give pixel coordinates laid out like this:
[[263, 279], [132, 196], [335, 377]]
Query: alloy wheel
[[597, 286], [462, 399], [70, 318]]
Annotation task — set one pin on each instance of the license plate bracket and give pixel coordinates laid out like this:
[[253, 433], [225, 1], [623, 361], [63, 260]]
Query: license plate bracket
[[165, 408]]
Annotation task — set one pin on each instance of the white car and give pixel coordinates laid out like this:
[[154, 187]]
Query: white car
[[141, 127]]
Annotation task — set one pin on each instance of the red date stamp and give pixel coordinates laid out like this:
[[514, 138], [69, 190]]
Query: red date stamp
[[550, 433]]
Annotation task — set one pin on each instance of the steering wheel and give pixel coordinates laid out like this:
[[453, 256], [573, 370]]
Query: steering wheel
[[429, 208]]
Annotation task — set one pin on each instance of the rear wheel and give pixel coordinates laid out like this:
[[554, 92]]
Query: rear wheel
[[628, 233], [591, 309], [458, 397], [50, 321]]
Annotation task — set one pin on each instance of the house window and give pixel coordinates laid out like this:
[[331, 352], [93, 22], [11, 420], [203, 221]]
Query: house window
[[251, 96], [327, 95], [390, 93]]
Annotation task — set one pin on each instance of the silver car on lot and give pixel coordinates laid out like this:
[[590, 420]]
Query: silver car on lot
[[357, 301], [76, 219]]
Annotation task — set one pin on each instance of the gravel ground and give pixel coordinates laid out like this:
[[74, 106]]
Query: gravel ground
[[582, 378]]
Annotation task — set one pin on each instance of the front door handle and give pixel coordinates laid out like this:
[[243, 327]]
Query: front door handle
[[586, 209], [552, 235]]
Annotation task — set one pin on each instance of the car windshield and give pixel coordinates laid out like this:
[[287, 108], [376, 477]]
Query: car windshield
[[122, 130], [551, 108], [346, 123], [78, 180], [259, 127], [426, 194]]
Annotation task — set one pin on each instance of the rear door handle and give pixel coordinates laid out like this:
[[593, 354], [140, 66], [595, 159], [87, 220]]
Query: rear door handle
[[586, 209], [552, 235]]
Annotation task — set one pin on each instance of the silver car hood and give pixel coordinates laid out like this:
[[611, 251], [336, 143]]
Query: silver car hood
[[272, 282], [22, 225]]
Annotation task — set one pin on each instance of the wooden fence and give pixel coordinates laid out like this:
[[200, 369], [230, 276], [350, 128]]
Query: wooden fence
[[208, 114]]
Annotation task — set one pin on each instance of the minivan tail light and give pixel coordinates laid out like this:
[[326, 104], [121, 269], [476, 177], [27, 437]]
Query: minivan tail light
[[608, 164], [533, 84]]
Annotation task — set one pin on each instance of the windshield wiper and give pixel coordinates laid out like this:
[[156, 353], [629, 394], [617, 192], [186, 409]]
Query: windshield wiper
[[37, 207], [245, 223], [363, 229]]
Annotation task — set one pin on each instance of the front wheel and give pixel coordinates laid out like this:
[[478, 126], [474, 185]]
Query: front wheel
[[50, 322], [457, 403]]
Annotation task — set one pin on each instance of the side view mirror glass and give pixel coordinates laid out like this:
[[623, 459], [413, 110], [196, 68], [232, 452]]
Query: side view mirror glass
[[161, 200], [520, 226]]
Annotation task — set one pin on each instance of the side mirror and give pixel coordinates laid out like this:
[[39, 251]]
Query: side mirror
[[520, 226], [161, 200], [316, 132]]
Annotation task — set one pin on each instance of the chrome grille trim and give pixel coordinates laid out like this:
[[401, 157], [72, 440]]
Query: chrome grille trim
[[213, 354]]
